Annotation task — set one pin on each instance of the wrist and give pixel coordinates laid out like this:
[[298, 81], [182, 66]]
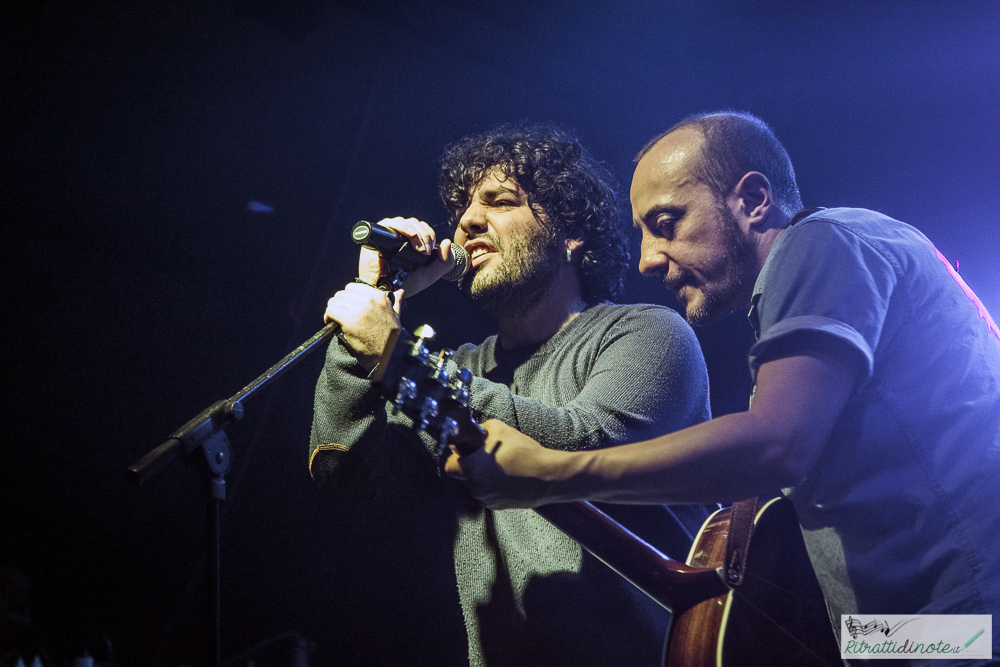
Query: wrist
[[565, 474], [380, 362]]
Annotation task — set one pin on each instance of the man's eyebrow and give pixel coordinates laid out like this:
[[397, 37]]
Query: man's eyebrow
[[495, 190], [654, 211]]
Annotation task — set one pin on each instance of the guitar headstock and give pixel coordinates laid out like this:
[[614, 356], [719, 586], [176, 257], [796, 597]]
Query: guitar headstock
[[419, 385]]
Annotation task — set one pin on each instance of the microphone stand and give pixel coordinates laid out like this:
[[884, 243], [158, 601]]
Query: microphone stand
[[206, 432]]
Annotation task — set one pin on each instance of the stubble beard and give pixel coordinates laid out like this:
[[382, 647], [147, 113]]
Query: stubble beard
[[734, 289], [516, 284]]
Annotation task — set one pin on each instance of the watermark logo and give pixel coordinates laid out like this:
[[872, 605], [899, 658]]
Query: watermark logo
[[924, 636]]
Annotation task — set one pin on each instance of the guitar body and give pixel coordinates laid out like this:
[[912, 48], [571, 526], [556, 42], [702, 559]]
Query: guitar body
[[777, 617]]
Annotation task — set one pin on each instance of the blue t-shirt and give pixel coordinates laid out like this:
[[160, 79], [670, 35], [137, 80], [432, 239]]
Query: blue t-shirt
[[901, 512]]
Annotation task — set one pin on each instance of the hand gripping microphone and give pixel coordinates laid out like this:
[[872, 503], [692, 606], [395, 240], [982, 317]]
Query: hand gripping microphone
[[398, 252]]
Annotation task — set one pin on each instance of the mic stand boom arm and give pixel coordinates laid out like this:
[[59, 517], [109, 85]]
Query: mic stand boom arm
[[206, 431], [211, 421]]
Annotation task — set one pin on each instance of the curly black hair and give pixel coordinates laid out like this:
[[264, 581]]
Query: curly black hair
[[574, 192]]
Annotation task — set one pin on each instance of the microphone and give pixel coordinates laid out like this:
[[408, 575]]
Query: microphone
[[398, 252]]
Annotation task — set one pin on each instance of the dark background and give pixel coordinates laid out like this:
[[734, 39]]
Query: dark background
[[142, 285]]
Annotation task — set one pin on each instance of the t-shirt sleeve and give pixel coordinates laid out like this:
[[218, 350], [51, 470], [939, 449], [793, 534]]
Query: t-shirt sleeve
[[821, 278]]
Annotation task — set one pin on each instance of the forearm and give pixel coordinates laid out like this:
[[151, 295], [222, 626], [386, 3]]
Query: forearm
[[729, 458], [774, 445], [348, 418], [796, 404]]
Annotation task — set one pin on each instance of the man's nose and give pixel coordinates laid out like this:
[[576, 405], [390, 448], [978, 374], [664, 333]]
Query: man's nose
[[473, 220], [652, 260]]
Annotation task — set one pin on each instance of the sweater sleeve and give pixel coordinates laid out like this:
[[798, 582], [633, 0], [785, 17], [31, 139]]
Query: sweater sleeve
[[627, 374], [356, 450]]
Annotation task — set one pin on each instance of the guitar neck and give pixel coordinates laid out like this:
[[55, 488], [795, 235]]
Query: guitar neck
[[672, 584]]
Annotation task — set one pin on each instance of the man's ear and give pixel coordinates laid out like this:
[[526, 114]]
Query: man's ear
[[572, 245], [753, 197]]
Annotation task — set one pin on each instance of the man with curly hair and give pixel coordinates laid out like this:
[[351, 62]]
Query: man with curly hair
[[540, 220]]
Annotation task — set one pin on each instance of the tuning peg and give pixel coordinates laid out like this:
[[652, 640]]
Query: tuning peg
[[440, 374], [406, 390], [418, 349], [460, 388], [428, 411], [449, 427], [425, 332]]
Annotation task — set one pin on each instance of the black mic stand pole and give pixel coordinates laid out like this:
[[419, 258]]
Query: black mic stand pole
[[206, 432]]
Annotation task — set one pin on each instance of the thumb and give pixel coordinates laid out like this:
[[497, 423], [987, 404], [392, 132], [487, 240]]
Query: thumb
[[452, 465]]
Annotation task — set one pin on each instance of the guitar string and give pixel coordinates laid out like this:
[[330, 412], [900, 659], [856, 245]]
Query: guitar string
[[784, 590], [777, 625]]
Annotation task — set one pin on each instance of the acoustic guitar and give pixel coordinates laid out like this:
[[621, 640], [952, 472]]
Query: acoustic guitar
[[777, 617]]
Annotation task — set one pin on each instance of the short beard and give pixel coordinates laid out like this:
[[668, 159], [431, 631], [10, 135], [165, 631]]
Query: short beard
[[740, 273], [528, 265]]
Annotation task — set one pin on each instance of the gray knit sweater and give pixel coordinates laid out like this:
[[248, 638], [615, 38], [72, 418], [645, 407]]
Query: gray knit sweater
[[528, 594]]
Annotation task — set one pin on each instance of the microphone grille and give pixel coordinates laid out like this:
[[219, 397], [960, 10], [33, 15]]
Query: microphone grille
[[461, 263]]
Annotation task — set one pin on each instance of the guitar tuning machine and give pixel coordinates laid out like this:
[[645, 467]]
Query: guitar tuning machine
[[422, 335], [440, 370], [406, 391], [460, 390], [428, 411], [425, 332], [449, 427]]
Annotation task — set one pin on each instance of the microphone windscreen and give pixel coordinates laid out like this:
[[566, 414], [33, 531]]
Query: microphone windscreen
[[461, 263]]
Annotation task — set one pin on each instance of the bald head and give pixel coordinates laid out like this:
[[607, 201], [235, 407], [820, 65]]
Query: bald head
[[732, 145], [673, 159]]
